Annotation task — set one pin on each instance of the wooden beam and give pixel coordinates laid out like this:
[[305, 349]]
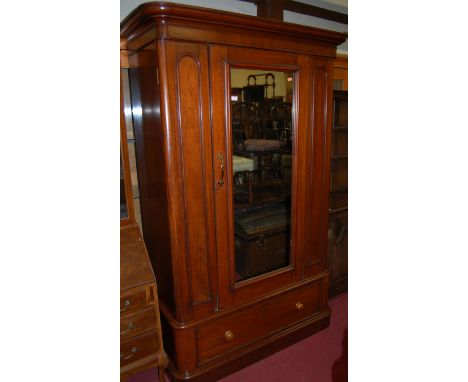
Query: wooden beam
[[271, 9], [311, 10]]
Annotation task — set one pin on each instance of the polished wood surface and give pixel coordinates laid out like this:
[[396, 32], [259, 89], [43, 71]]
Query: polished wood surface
[[245, 326], [137, 323], [187, 69], [180, 59]]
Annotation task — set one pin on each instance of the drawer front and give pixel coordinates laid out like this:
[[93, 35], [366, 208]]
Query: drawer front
[[268, 317], [139, 347], [137, 323], [133, 302]]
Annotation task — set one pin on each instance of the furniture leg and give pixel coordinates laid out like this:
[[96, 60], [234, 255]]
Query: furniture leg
[[161, 370]]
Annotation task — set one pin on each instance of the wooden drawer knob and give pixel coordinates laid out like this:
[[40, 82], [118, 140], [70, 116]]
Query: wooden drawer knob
[[229, 335], [299, 306]]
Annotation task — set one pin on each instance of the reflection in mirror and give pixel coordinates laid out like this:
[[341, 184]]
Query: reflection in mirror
[[123, 199], [262, 136]]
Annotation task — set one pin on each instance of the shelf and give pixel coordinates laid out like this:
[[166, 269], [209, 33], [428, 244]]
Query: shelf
[[344, 156], [340, 191], [337, 210], [258, 203], [272, 194]]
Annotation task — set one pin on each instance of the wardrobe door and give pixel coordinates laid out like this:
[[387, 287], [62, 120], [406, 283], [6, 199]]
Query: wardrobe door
[[259, 133]]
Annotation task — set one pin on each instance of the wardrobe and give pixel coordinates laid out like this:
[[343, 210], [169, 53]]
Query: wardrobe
[[232, 119]]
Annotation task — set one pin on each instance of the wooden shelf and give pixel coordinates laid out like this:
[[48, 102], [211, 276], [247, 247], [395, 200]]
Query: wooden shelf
[[340, 191], [340, 156], [337, 210], [266, 195], [340, 128]]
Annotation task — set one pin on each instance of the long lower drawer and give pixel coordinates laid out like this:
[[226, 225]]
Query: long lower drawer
[[270, 316]]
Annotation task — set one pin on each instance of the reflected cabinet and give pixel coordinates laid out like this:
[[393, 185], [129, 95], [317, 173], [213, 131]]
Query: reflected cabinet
[[232, 127]]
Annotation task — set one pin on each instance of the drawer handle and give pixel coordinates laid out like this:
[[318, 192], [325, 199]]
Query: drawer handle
[[130, 327], [229, 335], [126, 304], [130, 355], [299, 306]]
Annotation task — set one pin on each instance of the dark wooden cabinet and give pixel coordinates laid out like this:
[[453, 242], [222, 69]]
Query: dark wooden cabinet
[[141, 344], [234, 179], [338, 220]]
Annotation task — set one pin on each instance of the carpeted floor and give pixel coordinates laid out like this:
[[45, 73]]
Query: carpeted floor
[[322, 357]]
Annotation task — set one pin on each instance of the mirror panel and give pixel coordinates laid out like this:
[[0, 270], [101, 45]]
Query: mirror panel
[[262, 138]]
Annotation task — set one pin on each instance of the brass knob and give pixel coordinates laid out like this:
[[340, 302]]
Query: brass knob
[[229, 335], [299, 306], [129, 328], [126, 305]]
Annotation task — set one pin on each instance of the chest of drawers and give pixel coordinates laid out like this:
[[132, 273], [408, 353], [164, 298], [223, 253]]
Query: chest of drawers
[[141, 344]]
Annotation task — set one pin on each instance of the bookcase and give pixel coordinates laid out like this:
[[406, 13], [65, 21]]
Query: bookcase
[[338, 210]]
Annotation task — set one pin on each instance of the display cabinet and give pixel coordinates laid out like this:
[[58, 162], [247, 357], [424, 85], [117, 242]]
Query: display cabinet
[[338, 220], [141, 343], [232, 128], [340, 73]]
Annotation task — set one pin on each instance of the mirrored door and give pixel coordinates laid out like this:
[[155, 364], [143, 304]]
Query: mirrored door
[[258, 151]]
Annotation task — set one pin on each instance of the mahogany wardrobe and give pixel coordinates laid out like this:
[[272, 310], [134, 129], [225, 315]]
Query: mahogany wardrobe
[[232, 118]]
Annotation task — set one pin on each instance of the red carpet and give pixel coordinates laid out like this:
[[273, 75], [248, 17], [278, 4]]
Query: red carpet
[[322, 357]]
